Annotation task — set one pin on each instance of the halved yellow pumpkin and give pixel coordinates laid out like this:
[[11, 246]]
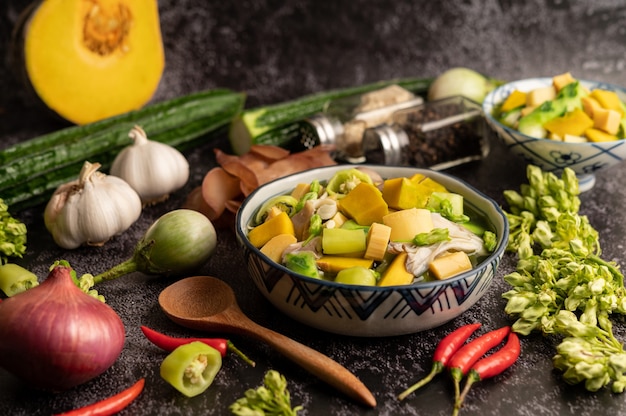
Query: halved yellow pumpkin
[[92, 59]]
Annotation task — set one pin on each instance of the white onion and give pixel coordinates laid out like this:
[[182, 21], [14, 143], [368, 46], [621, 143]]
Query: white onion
[[461, 81]]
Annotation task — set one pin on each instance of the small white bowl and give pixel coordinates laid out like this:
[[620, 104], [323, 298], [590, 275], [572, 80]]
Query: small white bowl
[[365, 310], [551, 155]]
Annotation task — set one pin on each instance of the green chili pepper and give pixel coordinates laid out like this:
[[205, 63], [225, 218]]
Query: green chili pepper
[[15, 279], [345, 180], [285, 203], [315, 228], [306, 197], [315, 186], [191, 368]]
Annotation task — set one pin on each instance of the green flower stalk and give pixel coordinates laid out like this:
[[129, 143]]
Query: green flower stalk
[[271, 399], [12, 235], [561, 285], [434, 236]]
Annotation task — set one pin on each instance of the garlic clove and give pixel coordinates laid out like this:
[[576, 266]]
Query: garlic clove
[[153, 169], [326, 208]]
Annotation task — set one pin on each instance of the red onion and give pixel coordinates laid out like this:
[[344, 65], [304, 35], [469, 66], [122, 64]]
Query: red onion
[[54, 336]]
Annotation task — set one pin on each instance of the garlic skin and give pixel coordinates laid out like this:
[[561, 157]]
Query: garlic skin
[[91, 209], [153, 169]]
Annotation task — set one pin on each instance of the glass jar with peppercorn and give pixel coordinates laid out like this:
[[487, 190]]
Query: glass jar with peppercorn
[[344, 121], [436, 135]]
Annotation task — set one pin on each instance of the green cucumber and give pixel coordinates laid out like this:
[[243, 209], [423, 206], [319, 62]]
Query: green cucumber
[[276, 124], [76, 133], [32, 170], [280, 135]]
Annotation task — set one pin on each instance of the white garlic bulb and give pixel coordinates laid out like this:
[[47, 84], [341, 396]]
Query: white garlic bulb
[[91, 209], [153, 169]]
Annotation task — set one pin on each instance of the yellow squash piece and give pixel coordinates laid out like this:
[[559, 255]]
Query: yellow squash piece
[[338, 220], [376, 241], [364, 204], [448, 265], [590, 105], [300, 190], [274, 211], [607, 121], [277, 245], [559, 81], [335, 264], [418, 177], [516, 99], [540, 95], [425, 186], [608, 99], [427, 183], [400, 193], [595, 135], [89, 60], [407, 223], [280, 224], [396, 273], [573, 123]]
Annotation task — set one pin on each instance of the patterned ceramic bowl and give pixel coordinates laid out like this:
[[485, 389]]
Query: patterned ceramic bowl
[[551, 155], [365, 310]]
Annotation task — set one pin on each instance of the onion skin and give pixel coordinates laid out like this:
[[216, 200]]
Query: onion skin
[[55, 337]]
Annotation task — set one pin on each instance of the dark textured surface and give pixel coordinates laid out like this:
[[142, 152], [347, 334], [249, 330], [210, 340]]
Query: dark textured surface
[[276, 51]]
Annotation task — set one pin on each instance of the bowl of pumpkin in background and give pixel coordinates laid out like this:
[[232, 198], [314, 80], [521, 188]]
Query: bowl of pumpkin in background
[[336, 248], [561, 122]]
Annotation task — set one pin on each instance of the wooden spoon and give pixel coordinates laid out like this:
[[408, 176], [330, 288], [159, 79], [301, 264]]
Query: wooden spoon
[[208, 304]]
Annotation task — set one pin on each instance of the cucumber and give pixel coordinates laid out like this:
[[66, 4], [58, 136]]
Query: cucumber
[[31, 170], [76, 133], [279, 136], [278, 123]]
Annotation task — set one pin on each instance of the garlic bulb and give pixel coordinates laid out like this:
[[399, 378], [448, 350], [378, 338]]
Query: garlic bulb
[[153, 169], [91, 209]]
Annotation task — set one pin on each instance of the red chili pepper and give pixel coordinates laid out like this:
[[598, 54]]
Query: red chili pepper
[[111, 405], [491, 366], [446, 348], [464, 358], [169, 343]]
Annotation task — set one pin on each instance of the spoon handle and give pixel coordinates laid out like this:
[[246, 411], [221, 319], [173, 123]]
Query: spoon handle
[[318, 364]]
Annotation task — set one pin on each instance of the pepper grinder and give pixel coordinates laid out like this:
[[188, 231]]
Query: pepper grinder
[[343, 122], [437, 135]]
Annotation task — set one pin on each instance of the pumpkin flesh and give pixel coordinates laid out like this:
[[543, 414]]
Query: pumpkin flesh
[[92, 59]]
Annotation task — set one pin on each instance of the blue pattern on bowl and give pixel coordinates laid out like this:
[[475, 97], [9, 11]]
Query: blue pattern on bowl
[[550, 155], [364, 310]]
